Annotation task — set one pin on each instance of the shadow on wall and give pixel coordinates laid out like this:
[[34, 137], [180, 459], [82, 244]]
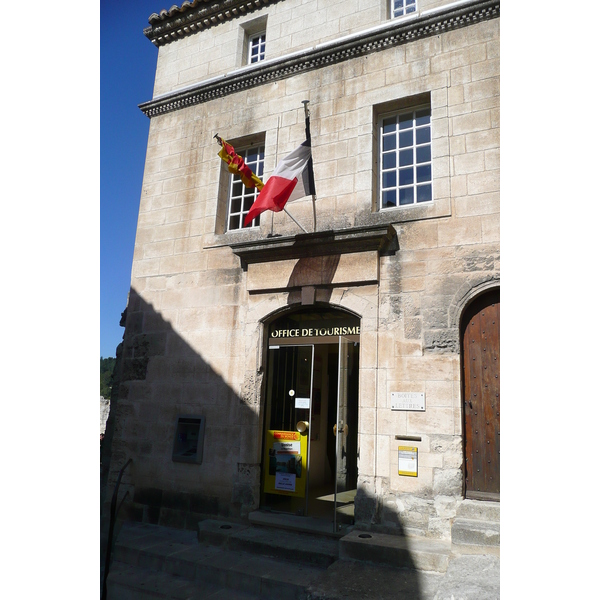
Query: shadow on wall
[[312, 272], [159, 377]]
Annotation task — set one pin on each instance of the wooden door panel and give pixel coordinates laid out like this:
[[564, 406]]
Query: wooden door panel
[[490, 344], [481, 396]]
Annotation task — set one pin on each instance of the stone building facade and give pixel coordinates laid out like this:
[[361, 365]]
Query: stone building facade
[[375, 295]]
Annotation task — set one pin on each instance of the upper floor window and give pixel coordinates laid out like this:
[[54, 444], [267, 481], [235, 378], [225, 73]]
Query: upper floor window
[[256, 47], [241, 198], [405, 172], [400, 8]]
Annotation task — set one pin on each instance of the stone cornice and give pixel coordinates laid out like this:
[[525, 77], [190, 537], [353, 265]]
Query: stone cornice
[[392, 33], [382, 238], [196, 15]]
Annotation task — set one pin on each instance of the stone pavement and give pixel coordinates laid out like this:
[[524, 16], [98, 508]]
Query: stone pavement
[[228, 561], [469, 577]]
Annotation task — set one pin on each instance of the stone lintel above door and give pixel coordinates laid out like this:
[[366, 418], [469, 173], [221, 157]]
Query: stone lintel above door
[[359, 268], [323, 258]]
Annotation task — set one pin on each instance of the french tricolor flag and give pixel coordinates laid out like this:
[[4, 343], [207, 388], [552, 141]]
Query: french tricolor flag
[[292, 179]]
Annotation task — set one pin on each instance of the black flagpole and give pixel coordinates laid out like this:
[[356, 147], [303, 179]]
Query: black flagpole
[[311, 176]]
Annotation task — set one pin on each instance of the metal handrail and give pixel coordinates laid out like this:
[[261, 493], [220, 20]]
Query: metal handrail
[[113, 514]]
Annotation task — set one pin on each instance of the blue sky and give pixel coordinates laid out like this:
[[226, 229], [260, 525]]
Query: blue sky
[[127, 66]]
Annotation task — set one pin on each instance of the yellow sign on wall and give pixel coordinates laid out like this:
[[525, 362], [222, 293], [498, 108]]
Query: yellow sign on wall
[[285, 461], [407, 461]]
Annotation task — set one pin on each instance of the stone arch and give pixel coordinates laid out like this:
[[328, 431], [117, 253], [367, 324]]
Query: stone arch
[[480, 392], [289, 309], [471, 289], [293, 308], [255, 385]]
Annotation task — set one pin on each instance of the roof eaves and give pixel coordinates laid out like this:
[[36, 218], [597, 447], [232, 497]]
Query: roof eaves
[[196, 15], [392, 33]]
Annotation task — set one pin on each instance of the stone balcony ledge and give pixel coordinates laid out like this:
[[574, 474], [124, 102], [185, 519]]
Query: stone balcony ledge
[[382, 238]]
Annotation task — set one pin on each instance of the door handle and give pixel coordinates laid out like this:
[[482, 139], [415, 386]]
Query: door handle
[[344, 429]]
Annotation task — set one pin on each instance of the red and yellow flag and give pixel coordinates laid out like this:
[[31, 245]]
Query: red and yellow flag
[[237, 166]]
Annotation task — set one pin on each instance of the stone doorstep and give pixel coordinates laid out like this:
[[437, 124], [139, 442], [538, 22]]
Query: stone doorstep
[[471, 532], [422, 554], [186, 560], [263, 576], [311, 525], [476, 528], [478, 510], [256, 560], [217, 533], [287, 545], [414, 552]]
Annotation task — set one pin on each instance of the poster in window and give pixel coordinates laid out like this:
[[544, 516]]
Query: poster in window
[[285, 455]]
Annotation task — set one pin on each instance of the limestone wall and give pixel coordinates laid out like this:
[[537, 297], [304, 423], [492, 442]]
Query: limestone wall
[[193, 341], [291, 26]]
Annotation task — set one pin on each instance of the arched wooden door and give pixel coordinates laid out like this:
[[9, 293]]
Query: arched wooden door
[[481, 396]]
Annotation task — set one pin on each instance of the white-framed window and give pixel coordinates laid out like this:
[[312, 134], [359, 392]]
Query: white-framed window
[[241, 198], [256, 47], [405, 166], [399, 8]]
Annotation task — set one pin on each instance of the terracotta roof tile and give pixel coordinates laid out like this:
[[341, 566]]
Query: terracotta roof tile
[[196, 15], [165, 14]]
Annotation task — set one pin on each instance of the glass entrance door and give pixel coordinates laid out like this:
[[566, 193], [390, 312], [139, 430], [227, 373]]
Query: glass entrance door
[[287, 439], [345, 455], [309, 463]]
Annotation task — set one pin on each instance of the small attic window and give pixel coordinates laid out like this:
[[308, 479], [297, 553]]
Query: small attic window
[[400, 8], [253, 36], [256, 47]]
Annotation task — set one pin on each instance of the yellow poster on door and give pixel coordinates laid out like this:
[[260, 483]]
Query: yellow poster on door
[[285, 463]]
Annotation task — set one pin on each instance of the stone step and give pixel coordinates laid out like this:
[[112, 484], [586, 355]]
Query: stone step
[[177, 554], [476, 528], [478, 510], [128, 582], [311, 525], [294, 546], [475, 535], [152, 562], [358, 580], [418, 553]]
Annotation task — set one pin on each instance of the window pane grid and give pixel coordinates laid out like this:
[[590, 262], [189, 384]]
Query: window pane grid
[[403, 7], [256, 49], [405, 159], [241, 198]]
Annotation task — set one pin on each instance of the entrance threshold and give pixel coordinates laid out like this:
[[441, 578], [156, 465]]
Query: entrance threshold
[[297, 523]]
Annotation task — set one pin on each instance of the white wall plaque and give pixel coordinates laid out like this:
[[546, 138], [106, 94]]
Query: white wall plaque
[[408, 400]]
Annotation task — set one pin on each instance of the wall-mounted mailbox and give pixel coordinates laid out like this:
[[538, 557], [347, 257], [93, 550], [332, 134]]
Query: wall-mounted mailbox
[[189, 439]]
